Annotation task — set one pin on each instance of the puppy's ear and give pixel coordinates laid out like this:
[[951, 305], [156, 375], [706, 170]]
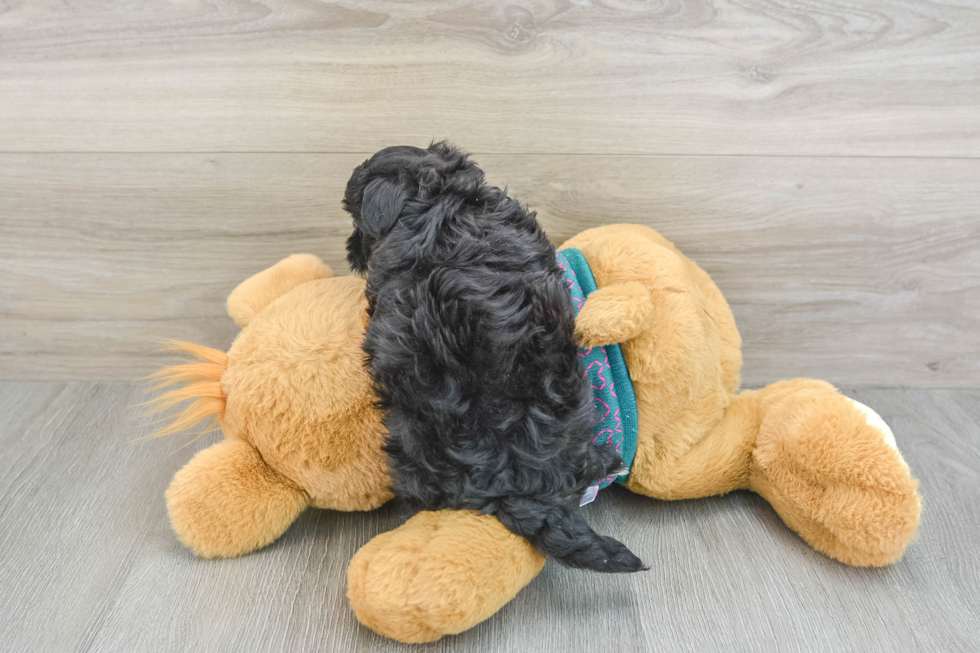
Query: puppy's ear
[[359, 251], [381, 205]]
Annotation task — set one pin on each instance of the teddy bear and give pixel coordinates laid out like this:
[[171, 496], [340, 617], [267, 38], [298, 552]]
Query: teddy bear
[[301, 428]]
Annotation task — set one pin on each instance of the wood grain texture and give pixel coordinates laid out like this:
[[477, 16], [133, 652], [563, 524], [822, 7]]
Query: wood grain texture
[[877, 77], [90, 563], [860, 271]]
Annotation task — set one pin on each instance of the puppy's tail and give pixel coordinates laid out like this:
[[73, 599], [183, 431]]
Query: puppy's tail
[[563, 535]]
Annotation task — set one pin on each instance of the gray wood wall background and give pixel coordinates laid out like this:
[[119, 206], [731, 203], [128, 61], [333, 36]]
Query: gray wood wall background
[[821, 159]]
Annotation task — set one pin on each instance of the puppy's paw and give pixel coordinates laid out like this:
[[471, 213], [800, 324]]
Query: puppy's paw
[[603, 462]]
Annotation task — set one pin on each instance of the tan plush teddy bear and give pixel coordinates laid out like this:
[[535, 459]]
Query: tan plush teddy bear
[[294, 401]]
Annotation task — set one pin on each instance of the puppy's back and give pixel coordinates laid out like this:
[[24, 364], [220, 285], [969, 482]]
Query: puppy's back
[[472, 352]]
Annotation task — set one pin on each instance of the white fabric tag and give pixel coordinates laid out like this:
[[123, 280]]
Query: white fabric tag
[[589, 496]]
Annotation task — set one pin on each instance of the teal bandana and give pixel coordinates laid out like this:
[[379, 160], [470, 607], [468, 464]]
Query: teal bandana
[[613, 401]]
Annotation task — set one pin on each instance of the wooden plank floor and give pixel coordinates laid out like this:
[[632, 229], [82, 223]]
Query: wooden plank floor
[[90, 563]]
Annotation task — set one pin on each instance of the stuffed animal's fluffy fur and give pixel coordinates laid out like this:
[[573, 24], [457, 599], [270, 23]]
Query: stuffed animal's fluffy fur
[[472, 351], [296, 407]]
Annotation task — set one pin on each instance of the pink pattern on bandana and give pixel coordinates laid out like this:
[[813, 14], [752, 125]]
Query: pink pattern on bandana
[[607, 427]]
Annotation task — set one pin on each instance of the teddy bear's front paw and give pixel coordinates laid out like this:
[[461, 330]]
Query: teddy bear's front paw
[[440, 573], [614, 314]]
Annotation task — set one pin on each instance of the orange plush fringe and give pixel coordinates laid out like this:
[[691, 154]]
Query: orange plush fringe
[[200, 381]]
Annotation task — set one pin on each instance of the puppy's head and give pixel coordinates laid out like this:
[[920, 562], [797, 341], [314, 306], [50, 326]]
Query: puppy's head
[[381, 187]]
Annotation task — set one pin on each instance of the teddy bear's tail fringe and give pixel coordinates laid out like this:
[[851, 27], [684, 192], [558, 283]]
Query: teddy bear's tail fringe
[[199, 381]]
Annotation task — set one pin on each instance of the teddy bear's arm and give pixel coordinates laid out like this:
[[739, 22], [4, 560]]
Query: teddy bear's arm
[[439, 573], [260, 290], [614, 314]]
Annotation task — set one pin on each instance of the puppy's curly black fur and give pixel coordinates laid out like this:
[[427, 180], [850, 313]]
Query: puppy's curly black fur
[[472, 353]]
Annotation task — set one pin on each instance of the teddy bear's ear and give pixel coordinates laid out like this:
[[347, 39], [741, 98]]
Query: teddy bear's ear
[[381, 205]]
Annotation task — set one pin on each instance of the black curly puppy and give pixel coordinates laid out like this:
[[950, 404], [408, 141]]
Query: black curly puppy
[[472, 353]]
